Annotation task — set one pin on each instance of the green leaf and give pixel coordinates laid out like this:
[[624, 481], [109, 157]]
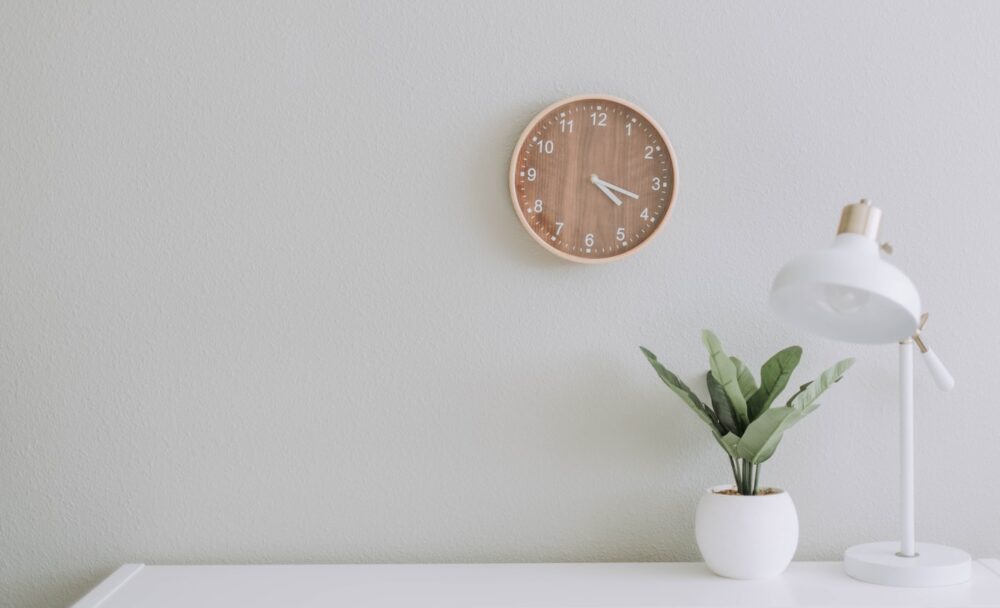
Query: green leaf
[[748, 386], [808, 393], [764, 434], [723, 408], [681, 390], [797, 393], [725, 373], [774, 375], [809, 409], [728, 443]]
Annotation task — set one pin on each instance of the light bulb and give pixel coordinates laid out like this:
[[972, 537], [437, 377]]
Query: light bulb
[[845, 300]]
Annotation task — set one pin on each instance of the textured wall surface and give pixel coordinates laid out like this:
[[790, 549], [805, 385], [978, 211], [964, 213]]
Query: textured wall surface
[[263, 297]]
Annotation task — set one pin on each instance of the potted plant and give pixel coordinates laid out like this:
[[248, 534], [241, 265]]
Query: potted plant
[[746, 530]]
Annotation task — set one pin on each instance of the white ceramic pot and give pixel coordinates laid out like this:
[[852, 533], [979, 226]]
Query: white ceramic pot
[[746, 537]]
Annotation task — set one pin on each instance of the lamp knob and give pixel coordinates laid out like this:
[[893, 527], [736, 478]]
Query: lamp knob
[[942, 377]]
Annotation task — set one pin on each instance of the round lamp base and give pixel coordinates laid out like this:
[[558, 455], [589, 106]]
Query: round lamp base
[[934, 565]]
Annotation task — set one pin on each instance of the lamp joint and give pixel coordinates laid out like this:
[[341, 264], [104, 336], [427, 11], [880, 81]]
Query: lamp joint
[[916, 337]]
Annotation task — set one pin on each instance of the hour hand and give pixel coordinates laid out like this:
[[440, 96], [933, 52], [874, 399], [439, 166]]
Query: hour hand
[[603, 186]]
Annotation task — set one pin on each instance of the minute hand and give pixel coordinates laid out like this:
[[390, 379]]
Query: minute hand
[[611, 186]]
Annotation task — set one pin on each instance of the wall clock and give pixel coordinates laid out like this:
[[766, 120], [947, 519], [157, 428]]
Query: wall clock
[[593, 178]]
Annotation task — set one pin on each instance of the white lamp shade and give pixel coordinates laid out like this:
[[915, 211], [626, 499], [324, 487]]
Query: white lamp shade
[[848, 292]]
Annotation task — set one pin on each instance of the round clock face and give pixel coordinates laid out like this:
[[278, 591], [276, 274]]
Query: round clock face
[[593, 178]]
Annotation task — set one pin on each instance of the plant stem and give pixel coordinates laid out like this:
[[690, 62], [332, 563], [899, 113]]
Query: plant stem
[[756, 479], [732, 464]]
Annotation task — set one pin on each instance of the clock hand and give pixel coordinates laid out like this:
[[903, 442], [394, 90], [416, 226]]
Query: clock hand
[[600, 184], [610, 195], [622, 190]]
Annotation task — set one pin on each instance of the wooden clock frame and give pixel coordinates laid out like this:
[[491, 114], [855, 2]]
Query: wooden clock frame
[[533, 126]]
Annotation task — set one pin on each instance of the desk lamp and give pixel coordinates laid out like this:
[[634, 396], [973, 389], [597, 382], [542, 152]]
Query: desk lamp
[[848, 292]]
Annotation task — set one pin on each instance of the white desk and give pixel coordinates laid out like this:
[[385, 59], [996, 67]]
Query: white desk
[[515, 585]]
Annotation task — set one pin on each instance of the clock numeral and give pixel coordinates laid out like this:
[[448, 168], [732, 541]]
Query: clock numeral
[[559, 227], [657, 184], [649, 153], [599, 119], [589, 240], [532, 174], [538, 205], [645, 214], [546, 146], [620, 235], [566, 126], [628, 129]]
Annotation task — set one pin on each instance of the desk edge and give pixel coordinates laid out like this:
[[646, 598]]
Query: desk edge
[[126, 572], [109, 586]]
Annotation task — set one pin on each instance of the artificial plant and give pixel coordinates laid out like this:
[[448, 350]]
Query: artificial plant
[[741, 417]]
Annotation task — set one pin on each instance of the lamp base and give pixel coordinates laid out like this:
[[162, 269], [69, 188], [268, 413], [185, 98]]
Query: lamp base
[[934, 565]]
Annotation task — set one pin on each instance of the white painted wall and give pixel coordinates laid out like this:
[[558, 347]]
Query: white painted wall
[[263, 297]]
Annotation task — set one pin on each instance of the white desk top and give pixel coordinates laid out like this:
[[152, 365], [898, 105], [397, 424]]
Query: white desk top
[[515, 585]]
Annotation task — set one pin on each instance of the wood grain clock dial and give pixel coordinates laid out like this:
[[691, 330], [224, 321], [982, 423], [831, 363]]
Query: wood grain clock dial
[[593, 178]]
